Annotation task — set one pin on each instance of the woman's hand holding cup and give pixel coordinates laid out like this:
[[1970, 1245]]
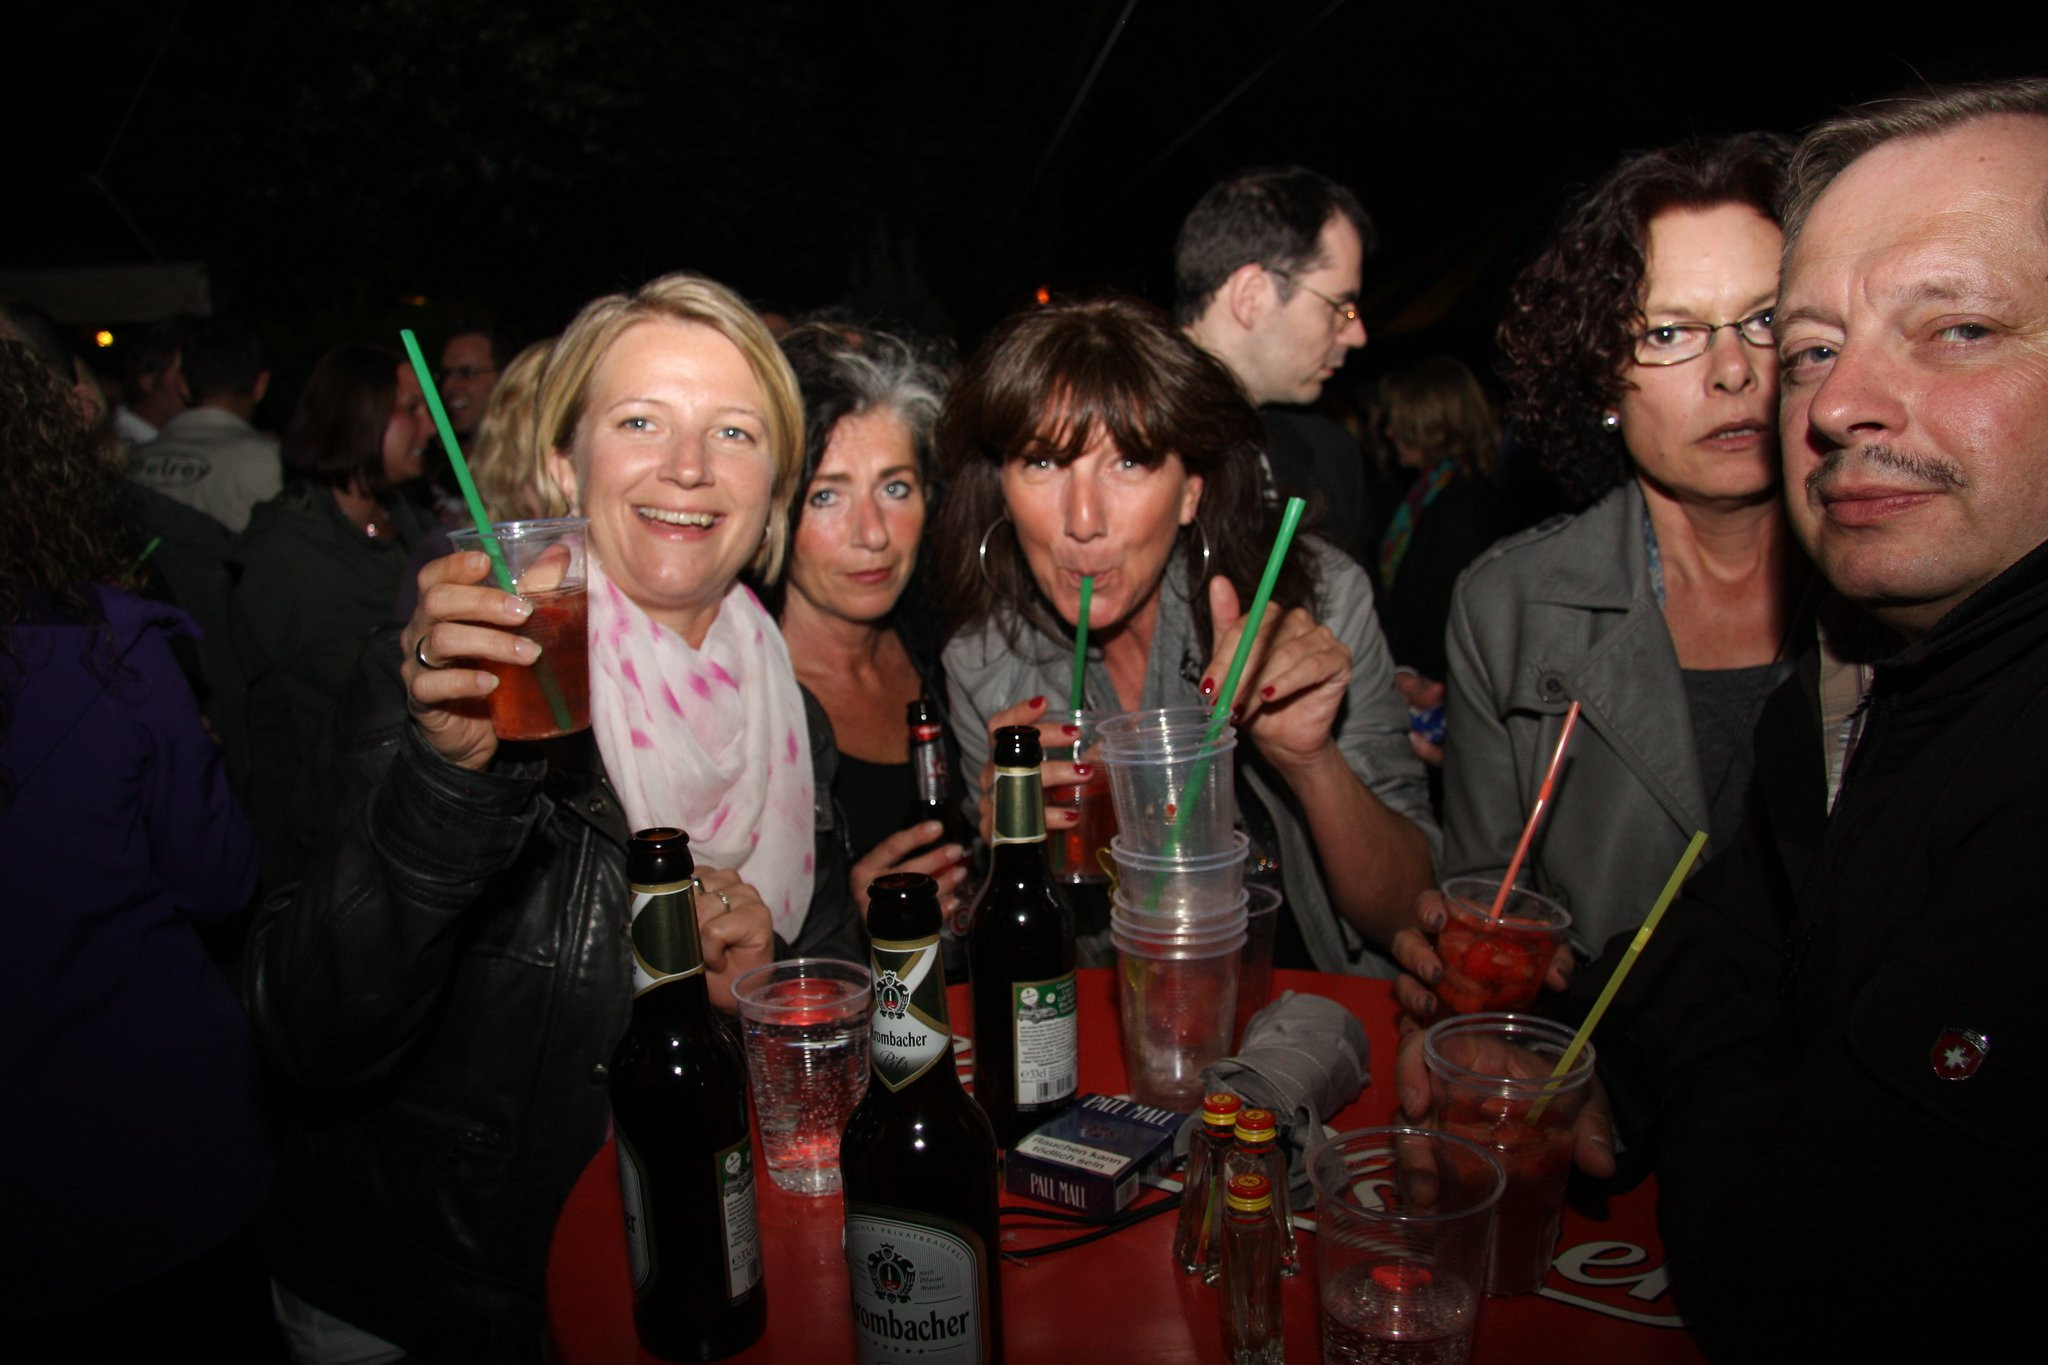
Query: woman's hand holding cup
[[460, 618]]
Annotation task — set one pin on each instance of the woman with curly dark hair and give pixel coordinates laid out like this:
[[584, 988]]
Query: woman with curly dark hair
[[1639, 363], [133, 1155], [1097, 439]]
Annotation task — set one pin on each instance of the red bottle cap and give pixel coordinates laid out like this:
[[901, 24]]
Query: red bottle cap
[[1250, 1193], [1219, 1109], [1256, 1125]]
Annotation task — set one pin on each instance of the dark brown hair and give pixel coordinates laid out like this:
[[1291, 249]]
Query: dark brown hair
[[1437, 406], [336, 436], [1043, 384], [1572, 320]]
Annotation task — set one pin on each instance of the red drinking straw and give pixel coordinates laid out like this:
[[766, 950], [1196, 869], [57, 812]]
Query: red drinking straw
[[1507, 881]]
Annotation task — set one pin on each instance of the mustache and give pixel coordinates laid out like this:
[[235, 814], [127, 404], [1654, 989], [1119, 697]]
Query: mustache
[[1928, 471]]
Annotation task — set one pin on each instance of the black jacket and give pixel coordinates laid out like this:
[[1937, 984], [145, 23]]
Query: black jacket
[[1822, 1187], [442, 997]]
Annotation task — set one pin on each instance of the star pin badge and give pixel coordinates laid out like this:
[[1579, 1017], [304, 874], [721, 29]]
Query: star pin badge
[[1957, 1053]]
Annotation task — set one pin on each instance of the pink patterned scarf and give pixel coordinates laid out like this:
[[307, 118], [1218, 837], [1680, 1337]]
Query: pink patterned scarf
[[710, 740]]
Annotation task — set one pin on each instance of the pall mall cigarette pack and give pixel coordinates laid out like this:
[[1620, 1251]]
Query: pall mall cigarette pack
[[1093, 1157]]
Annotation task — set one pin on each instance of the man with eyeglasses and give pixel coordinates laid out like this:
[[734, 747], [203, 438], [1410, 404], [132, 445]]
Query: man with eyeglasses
[[1266, 275], [470, 361]]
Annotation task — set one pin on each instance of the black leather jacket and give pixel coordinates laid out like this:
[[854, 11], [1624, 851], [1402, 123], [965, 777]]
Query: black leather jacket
[[442, 997]]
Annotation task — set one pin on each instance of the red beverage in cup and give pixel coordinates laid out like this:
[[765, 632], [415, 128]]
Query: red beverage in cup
[[519, 707], [1073, 850], [1490, 1082], [1494, 964]]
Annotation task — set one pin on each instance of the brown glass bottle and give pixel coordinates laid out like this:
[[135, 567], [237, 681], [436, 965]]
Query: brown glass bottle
[[928, 772], [1020, 954], [918, 1159], [679, 1106]]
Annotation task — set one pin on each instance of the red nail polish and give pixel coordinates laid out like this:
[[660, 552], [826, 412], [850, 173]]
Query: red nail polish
[[1035, 702], [1268, 692], [1082, 770], [1208, 687], [1237, 713], [1071, 731]]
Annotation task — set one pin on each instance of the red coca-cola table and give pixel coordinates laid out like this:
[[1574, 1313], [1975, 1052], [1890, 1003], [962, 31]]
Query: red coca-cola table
[[1120, 1299]]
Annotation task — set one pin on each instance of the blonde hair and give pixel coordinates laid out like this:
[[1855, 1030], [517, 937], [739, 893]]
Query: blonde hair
[[509, 464], [565, 383]]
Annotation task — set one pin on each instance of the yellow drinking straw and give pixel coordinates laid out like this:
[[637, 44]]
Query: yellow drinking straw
[[1628, 960]]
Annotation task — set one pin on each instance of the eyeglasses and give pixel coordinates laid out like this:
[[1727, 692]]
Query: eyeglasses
[[1347, 312], [1674, 343], [467, 372]]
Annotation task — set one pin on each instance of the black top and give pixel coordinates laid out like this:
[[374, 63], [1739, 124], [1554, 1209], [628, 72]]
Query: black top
[[873, 799]]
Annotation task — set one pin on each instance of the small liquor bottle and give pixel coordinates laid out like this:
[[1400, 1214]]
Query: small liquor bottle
[[1251, 1275], [679, 1106], [1195, 1242], [918, 1159], [1257, 1152], [1020, 951], [928, 773]]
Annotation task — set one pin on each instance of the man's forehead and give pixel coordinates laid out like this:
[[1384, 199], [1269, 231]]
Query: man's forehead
[[1949, 211]]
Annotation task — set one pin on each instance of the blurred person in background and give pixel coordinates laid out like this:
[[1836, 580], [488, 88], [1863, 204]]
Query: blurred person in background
[[134, 1154], [209, 456], [153, 383]]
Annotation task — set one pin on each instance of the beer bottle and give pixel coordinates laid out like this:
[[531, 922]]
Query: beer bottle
[[679, 1106], [918, 1160], [928, 770], [1020, 953]]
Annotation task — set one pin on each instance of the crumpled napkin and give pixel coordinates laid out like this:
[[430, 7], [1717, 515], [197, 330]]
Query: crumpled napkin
[[1304, 1057]]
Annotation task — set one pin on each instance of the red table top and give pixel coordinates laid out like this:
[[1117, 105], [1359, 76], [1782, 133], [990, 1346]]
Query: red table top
[[1121, 1299]]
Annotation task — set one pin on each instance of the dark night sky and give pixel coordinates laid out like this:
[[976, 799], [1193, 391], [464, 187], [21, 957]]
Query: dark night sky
[[328, 161]]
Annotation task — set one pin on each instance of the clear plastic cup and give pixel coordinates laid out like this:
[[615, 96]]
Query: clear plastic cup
[[1255, 974], [806, 1025], [1136, 919], [1173, 788], [1165, 885], [1490, 1081], [1495, 964], [1073, 853], [1403, 1217], [1176, 1007]]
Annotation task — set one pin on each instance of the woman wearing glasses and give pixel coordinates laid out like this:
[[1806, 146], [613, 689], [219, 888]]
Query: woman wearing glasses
[[1639, 362]]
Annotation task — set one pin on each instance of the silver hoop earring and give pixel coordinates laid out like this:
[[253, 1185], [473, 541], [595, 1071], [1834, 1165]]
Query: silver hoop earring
[[981, 552], [1204, 580]]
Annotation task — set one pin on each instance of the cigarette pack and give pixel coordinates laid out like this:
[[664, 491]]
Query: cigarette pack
[[1092, 1157]]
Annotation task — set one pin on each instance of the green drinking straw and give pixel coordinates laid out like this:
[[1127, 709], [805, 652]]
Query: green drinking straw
[[1074, 693], [147, 551], [542, 674], [1290, 519], [1628, 960]]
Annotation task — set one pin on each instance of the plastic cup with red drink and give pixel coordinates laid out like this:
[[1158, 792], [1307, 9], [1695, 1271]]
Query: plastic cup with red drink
[[1490, 1081], [552, 696], [1495, 964]]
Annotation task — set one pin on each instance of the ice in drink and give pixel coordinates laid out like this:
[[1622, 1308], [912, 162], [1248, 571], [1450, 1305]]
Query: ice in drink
[[520, 708]]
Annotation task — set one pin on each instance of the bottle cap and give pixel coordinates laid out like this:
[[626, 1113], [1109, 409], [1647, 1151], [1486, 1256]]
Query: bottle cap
[[1249, 1193], [1219, 1109], [1017, 746], [1256, 1125]]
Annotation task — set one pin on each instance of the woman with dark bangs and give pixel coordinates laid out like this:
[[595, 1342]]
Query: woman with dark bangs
[[1640, 363], [1095, 439], [133, 1156]]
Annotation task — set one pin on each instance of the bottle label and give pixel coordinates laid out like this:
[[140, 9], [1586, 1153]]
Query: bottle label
[[920, 1287], [1020, 807], [734, 1173], [665, 942], [909, 1030], [632, 1195], [1048, 1036], [928, 762]]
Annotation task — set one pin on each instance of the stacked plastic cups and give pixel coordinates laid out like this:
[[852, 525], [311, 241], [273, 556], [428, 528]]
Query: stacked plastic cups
[[1177, 919]]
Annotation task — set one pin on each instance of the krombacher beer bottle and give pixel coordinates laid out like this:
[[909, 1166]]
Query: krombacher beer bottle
[[918, 1160], [1020, 953], [679, 1105]]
